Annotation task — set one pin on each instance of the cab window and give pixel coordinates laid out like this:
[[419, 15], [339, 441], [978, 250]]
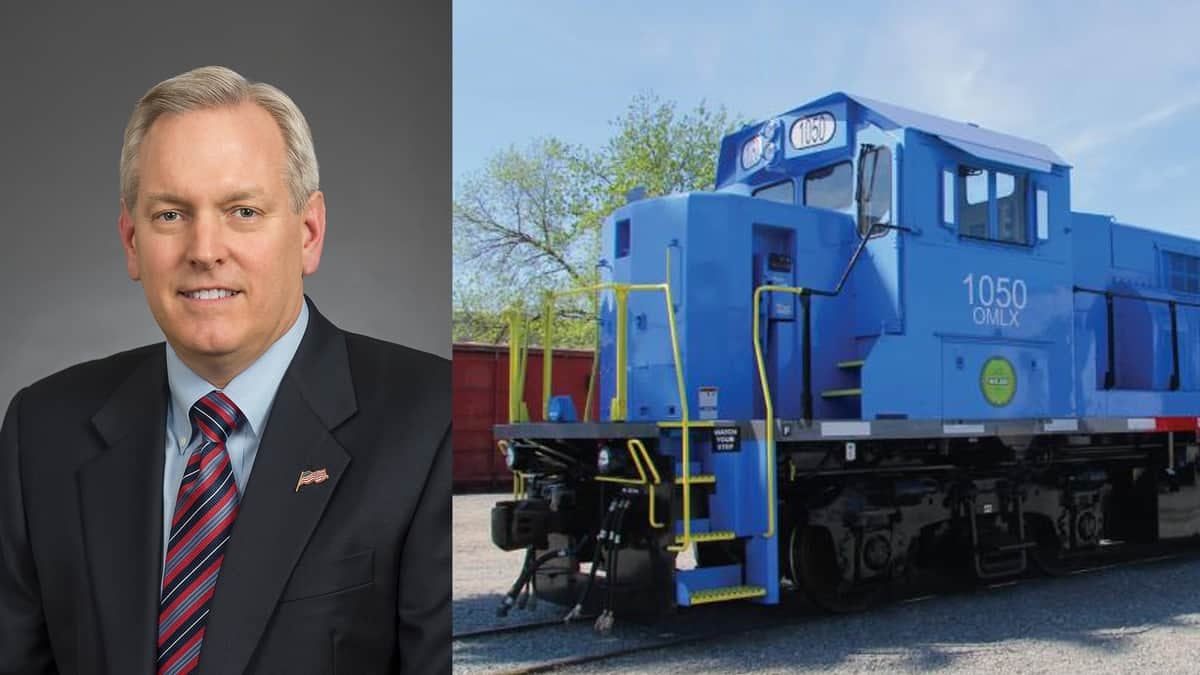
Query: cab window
[[973, 201], [989, 205], [781, 192], [1010, 209], [830, 187]]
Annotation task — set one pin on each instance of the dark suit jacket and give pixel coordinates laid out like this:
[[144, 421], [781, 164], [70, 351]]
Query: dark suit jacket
[[347, 576]]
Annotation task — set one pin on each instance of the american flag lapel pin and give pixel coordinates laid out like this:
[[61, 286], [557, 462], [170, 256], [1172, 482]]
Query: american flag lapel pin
[[312, 478]]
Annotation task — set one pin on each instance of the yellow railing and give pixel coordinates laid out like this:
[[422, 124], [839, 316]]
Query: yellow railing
[[518, 354], [635, 447], [766, 390], [618, 409], [587, 403]]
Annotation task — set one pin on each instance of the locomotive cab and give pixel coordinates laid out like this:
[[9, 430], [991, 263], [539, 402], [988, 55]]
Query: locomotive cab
[[934, 288]]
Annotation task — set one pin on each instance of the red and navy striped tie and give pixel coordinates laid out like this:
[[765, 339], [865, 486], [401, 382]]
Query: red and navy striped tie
[[204, 513]]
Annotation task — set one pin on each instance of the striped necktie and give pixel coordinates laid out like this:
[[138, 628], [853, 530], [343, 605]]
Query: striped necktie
[[204, 513]]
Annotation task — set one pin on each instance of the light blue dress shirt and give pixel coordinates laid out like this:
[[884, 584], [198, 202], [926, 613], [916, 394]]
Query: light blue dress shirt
[[252, 391]]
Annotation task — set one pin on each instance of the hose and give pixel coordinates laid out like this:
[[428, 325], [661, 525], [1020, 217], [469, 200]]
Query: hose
[[601, 537], [604, 622], [527, 572]]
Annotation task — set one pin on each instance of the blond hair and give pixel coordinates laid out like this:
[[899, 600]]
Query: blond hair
[[212, 87]]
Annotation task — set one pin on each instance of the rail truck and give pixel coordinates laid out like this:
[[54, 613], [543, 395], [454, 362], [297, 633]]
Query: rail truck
[[883, 345]]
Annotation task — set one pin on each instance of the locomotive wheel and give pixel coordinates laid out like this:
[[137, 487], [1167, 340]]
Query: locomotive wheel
[[791, 567], [813, 559]]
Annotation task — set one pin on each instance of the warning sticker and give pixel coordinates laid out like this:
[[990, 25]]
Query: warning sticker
[[708, 403], [726, 439]]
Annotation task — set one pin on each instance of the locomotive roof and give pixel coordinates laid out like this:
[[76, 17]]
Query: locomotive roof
[[968, 137]]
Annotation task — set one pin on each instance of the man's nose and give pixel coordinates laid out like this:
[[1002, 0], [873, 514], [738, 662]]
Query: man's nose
[[207, 246]]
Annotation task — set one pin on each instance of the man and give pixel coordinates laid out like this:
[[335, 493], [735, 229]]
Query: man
[[264, 493]]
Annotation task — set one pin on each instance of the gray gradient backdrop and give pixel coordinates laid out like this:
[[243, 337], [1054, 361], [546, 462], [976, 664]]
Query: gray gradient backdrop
[[373, 79]]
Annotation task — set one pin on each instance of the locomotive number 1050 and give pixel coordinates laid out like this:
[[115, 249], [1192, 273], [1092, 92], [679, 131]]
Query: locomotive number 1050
[[995, 301], [987, 290]]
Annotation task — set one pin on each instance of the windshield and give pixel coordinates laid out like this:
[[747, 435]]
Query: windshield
[[830, 187]]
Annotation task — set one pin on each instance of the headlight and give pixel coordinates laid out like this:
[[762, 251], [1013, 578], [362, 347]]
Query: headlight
[[752, 152], [770, 129], [604, 460], [768, 152]]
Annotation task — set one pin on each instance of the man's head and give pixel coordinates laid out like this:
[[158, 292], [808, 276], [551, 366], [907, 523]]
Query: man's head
[[221, 216]]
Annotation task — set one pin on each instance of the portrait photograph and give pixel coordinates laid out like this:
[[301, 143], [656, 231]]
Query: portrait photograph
[[225, 351]]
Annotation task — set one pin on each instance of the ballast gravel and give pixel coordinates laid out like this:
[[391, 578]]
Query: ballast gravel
[[1143, 618]]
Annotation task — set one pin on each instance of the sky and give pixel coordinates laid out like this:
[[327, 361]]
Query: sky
[[1114, 88]]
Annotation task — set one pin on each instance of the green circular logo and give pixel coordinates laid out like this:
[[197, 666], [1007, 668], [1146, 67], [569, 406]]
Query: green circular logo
[[998, 381]]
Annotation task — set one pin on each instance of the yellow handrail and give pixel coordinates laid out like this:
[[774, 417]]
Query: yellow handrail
[[633, 442], [618, 407], [770, 408], [618, 410], [547, 351], [686, 542], [633, 447], [587, 403], [518, 353]]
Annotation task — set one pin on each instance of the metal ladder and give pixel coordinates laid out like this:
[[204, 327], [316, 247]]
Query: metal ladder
[[709, 583]]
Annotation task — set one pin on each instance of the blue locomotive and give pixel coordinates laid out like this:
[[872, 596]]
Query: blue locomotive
[[884, 344]]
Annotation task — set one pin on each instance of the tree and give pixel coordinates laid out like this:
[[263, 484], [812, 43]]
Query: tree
[[661, 150], [518, 231], [530, 220]]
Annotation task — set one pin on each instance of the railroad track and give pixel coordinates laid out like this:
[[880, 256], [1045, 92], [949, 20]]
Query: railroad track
[[514, 628], [777, 616], [679, 641]]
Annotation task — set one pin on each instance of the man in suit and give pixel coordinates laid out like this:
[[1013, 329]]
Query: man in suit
[[263, 493]]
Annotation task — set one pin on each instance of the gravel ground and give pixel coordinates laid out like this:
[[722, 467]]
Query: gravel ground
[[1144, 618], [482, 573]]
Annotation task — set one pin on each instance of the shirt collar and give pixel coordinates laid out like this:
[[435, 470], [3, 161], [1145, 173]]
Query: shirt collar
[[252, 391]]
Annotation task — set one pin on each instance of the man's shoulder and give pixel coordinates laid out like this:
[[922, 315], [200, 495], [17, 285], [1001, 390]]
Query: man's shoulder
[[375, 354], [380, 365], [91, 380]]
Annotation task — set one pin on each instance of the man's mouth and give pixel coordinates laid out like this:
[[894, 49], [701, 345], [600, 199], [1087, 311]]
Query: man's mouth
[[209, 294]]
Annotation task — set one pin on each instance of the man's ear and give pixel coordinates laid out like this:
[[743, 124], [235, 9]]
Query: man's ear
[[314, 233], [126, 229]]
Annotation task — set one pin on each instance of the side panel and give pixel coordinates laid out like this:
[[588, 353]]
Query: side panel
[[973, 299], [1131, 262], [993, 379]]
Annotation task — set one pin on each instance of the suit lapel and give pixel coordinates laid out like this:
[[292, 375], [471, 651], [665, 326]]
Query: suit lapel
[[275, 521], [121, 502]]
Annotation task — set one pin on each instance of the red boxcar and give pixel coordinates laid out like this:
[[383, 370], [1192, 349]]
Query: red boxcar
[[481, 401]]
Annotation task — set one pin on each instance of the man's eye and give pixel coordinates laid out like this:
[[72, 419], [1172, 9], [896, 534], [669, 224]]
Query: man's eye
[[169, 216], [246, 212]]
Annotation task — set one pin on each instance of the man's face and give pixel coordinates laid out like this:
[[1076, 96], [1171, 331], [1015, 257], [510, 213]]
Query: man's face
[[213, 237]]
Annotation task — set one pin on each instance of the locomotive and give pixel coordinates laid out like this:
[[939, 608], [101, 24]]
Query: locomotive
[[883, 345]]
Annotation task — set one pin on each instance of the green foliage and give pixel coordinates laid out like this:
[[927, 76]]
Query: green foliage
[[530, 220], [519, 230], [658, 148]]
